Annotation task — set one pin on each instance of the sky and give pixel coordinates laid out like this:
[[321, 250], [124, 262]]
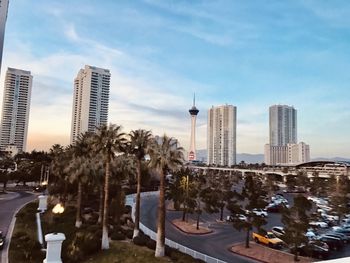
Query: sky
[[251, 54]]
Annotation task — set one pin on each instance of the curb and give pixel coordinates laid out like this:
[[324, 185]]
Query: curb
[[4, 255], [189, 233]]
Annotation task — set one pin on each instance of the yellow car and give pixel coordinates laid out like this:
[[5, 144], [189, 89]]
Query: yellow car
[[268, 239]]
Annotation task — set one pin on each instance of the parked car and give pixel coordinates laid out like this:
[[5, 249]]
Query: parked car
[[332, 242], [278, 231], [344, 231], [276, 208], [268, 239], [2, 240], [231, 218], [318, 224], [310, 234], [315, 249], [260, 212], [342, 236]]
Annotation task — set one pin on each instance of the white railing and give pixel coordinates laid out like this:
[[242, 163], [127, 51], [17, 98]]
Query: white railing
[[130, 200]]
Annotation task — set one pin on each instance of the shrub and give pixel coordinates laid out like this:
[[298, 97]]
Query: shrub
[[140, 240], [151, 244], [117, 236], [83, 244]]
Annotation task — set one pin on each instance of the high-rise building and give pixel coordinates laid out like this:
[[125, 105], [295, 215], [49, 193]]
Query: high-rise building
[[90, 100], [15, 109], [222, 135], [283, 125], [4, 4], [284, 147], [193, 112]]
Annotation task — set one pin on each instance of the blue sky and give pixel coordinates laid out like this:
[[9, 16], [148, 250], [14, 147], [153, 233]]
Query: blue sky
[[251, 54]]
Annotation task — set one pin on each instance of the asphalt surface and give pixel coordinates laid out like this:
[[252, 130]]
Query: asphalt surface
[[216, 244], [8, 207]]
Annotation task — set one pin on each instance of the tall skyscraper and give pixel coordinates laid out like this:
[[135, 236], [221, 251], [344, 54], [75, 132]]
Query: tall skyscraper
[[15, 109], [222, 135], [4, 4], [90, 101], [284, 147], [283, 125], [193, 112]]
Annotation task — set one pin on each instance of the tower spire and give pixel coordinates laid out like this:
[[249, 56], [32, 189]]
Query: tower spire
[[194, 99]]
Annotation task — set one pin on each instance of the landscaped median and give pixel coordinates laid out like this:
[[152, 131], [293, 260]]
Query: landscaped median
[[190, 227], [266, 254], [24, 245]]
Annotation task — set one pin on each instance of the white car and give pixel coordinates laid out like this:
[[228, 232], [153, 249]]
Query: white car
[[310, 235], [329, 217], [319, 224], [239, 217], [260, 212]]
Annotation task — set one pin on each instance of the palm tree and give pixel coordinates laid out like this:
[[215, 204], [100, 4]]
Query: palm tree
[[140, 141], [79, 168], [165, 156], [109, 140]]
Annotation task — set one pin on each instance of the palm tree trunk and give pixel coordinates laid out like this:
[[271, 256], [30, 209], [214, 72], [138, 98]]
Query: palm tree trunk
[[160, 246], [184, 213], [100, 210], [105, 241], [222, 213], [247, 239], [296, 253], [198, 215], [138, 200], [78, 221]]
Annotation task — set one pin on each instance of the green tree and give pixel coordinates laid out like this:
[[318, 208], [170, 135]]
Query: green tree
[[140, 141], [339, 196], [218, 194], [165, 156], [244, 202], [296, 222], [79, 168], [270, 184], [108, 141]]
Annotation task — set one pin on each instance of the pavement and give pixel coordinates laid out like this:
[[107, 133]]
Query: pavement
[[10, 204], [216, 244]]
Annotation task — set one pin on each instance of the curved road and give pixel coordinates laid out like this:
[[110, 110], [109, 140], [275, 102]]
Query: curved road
[[9, 204], [216, 244]]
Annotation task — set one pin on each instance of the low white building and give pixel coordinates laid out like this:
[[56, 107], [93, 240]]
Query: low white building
[[292, 153]]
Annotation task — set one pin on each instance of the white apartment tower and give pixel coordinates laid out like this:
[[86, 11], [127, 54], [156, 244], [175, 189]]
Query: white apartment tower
[[90, 100], [15, 109], [284, 147], [283, 125], [222, 135], [4, 4]]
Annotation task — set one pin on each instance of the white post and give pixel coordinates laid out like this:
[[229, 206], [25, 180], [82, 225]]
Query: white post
[[42, 203], [54, 245]]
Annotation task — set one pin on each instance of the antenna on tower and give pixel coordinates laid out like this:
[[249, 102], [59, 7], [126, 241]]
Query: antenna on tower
[[194, 99]]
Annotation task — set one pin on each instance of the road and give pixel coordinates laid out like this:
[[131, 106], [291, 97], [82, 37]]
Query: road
[[216, 244], [8, 207]]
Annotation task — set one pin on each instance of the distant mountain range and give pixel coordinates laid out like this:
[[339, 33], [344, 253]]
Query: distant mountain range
[[246, 157], [259, 158]]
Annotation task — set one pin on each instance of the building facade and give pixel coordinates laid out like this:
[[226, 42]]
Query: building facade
[[4, 4], [15, 109], [292, 153], [90, 100], [221, 135], [283, 125], [284, 147]]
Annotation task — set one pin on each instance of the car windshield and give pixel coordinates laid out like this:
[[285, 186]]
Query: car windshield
[[270, 235]]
